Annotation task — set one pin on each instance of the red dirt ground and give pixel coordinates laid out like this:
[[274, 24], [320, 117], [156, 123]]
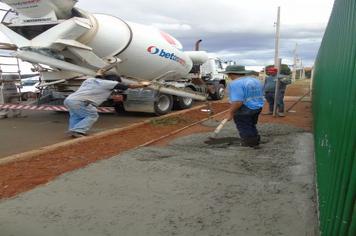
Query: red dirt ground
[[23, 175]]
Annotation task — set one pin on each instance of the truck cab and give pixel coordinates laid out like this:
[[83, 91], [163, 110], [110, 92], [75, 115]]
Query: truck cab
[[211, 73]]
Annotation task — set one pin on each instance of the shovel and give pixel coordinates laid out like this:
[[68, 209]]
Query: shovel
[[212, 139], [218, 129]]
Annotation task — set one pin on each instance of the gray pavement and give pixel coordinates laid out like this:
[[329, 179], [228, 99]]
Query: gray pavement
[[39, 129], [187, 188]]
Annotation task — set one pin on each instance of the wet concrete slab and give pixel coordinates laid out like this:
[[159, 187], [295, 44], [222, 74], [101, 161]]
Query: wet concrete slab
[[185, 188]]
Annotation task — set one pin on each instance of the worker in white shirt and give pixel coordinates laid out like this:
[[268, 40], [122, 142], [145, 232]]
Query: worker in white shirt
[[82, 104]]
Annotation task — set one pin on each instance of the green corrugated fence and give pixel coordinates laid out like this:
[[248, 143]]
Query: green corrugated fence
[[334, 108]]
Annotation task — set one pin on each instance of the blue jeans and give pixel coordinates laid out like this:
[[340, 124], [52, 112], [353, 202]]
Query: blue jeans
[[82, 115], [246, 120], [280, 100]]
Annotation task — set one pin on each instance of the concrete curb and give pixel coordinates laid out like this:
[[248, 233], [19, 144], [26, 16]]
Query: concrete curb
[[50, 148]]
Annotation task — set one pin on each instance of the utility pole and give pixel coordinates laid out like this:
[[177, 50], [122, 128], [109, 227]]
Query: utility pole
[[277, 60], [276, 92], [294, 73], [278, 25], [301, 69]]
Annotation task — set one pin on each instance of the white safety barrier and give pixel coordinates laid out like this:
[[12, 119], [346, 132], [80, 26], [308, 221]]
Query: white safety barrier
[[48, 108]]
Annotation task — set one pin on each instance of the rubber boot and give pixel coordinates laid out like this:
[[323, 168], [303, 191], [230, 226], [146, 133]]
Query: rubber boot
[[250, 142]]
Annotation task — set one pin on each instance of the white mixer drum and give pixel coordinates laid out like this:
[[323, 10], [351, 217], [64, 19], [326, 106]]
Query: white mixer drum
[[146, 52]]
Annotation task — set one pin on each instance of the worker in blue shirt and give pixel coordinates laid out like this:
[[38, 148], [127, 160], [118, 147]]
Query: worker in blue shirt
[[246, 98]]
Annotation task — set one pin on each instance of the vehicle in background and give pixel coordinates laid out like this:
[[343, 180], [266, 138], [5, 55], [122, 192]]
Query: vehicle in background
[[211, 73], [29, 89]]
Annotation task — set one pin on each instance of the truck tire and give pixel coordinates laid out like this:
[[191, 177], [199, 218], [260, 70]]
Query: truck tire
[[219, 92], [119, 108], [24, 96], [163, 104], [182, 103]]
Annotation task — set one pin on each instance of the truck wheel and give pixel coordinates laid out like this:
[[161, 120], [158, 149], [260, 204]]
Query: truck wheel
[[219, 92], [24, 96], [184, 103], [163, 104], [119, 108]]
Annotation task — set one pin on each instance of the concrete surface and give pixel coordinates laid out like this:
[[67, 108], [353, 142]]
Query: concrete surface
[[187, 188], [39, 129]]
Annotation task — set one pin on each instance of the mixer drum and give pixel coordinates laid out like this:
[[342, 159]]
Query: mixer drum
[[146, 52]]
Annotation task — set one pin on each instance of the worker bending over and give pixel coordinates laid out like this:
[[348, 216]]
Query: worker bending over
[[82, 104], [246, 98]]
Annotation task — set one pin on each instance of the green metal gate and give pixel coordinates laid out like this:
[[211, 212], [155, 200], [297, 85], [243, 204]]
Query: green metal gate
[[334, 108]]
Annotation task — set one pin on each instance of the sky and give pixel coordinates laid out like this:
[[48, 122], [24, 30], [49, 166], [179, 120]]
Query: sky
[[237, 30]]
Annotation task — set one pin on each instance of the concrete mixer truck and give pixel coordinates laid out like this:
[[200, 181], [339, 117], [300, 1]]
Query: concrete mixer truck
[[65, 43]]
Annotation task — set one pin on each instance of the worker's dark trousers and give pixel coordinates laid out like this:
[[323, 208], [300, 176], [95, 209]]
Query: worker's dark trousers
[[246, 120], [280, 101]]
